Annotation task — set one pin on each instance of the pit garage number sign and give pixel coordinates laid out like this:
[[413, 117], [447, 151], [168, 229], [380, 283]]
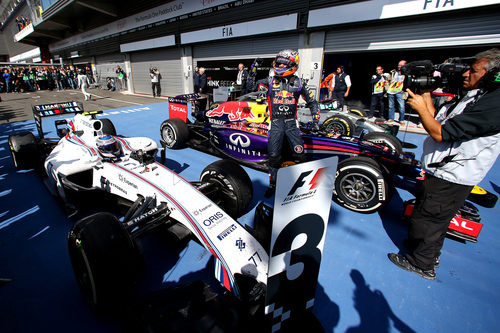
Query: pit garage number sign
[[301, 212]]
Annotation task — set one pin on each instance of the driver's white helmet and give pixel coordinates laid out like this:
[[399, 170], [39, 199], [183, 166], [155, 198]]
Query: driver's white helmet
[[108, 146]]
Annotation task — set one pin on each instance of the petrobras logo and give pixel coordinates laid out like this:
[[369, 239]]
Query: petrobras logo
[[226, 232], [240, 140], [305, 186], [213, 220]]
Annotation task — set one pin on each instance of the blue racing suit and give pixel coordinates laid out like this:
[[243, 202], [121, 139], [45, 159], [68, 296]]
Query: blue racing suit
[[283, 96]]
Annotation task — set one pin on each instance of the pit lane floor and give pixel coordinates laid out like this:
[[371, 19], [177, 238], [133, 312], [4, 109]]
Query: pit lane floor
[[359, 289]]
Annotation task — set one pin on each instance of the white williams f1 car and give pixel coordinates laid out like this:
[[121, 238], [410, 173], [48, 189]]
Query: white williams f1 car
[[89, 159]]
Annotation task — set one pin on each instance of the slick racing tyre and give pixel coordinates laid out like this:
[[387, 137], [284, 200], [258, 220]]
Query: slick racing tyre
[[360, 185], [108, 127], [339, 124], [105, 261], [386, 140], [233, 191], [358, 112], [483, 198], [174, 132], [24, 151]]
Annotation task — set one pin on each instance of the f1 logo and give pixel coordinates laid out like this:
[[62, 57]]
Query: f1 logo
[[301, 180]]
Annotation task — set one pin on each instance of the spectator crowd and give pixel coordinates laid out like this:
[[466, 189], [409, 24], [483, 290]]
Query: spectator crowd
[[24, 79]]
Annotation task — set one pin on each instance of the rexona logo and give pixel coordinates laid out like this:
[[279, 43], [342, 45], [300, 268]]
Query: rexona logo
[[213, 220], [303, 187]]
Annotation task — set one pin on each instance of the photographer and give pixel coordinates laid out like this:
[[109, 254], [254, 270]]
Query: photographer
[[155, 76], [463, 145]]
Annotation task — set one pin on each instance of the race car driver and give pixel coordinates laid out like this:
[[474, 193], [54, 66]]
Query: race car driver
[[284, 90], [109, 147]]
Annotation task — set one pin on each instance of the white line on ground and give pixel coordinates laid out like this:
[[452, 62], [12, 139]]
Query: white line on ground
[[116, 100]]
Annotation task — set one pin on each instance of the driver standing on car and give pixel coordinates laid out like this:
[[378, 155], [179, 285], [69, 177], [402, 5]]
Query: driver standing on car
[[463, 145], [284, 91]]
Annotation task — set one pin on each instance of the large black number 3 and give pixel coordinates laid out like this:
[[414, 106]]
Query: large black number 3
[[297, 290]]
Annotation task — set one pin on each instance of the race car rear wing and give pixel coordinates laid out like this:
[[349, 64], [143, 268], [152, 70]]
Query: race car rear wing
[[57, 109]]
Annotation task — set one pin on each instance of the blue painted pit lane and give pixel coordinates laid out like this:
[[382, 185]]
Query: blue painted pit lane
[[359, 289]]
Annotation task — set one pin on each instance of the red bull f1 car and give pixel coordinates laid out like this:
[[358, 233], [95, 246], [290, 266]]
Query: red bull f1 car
[[368, 172]]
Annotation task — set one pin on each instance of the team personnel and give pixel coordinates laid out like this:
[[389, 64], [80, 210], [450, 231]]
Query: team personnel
[[284, 91], [463, 145], [395, 92], [378, 84], [341, 85]]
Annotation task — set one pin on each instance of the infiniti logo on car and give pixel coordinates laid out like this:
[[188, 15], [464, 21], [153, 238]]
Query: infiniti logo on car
[[239, 139]]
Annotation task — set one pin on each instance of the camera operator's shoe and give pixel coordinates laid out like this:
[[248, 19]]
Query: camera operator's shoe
[[270, 191], [401, 261]]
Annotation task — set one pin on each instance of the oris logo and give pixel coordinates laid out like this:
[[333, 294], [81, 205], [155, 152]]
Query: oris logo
[[240, 140], [213, 219]]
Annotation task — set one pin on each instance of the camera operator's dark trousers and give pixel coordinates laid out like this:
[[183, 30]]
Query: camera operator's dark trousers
[[437, 203], [156, 85]]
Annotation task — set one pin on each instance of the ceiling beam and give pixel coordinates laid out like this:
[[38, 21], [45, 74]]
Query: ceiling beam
[[102, 7]]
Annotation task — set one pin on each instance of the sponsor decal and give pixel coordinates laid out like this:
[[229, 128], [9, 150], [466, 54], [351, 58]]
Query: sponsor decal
[[235, 111], [216, 121], [298, 149], [284, 97], [300, 190], [465, 226], [239, 139], [213, 220], [177, 110], [201, 210], [240, 244], [126, 181], [226, 232]]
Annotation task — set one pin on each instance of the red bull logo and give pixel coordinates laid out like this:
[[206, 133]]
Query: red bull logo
[[284, 97], [235, 110]]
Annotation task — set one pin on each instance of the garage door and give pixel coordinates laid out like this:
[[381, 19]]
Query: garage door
[[168, 63]]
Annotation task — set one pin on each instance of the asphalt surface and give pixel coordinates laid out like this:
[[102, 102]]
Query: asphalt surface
[[18, 106]]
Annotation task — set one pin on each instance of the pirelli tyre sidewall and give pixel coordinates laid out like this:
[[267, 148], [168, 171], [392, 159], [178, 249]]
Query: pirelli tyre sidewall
[[24, 151], [105, 260], [174, 132], [339, 124], [361, 185]]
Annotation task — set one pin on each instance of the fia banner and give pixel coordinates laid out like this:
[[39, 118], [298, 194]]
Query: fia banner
[[301, 212]]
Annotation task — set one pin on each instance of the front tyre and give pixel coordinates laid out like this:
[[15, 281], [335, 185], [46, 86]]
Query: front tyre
[[360, 185], [24, 151], [105, 261], [234, 187], [108, 127], [174, 132]]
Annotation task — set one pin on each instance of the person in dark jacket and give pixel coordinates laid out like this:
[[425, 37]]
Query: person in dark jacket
[[203, 81]]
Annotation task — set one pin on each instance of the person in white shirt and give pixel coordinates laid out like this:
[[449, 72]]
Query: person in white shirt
[[83, 83], [155, 76]]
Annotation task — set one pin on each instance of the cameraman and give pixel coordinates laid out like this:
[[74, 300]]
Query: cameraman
[[155, 76], [463, 145]]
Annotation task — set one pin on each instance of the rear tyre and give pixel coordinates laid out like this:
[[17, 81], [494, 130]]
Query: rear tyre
[[105, 261], [360, 185], [386, 140], [174, 132], [24, 151], [234, 191], [339, 124], [108, 127]]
